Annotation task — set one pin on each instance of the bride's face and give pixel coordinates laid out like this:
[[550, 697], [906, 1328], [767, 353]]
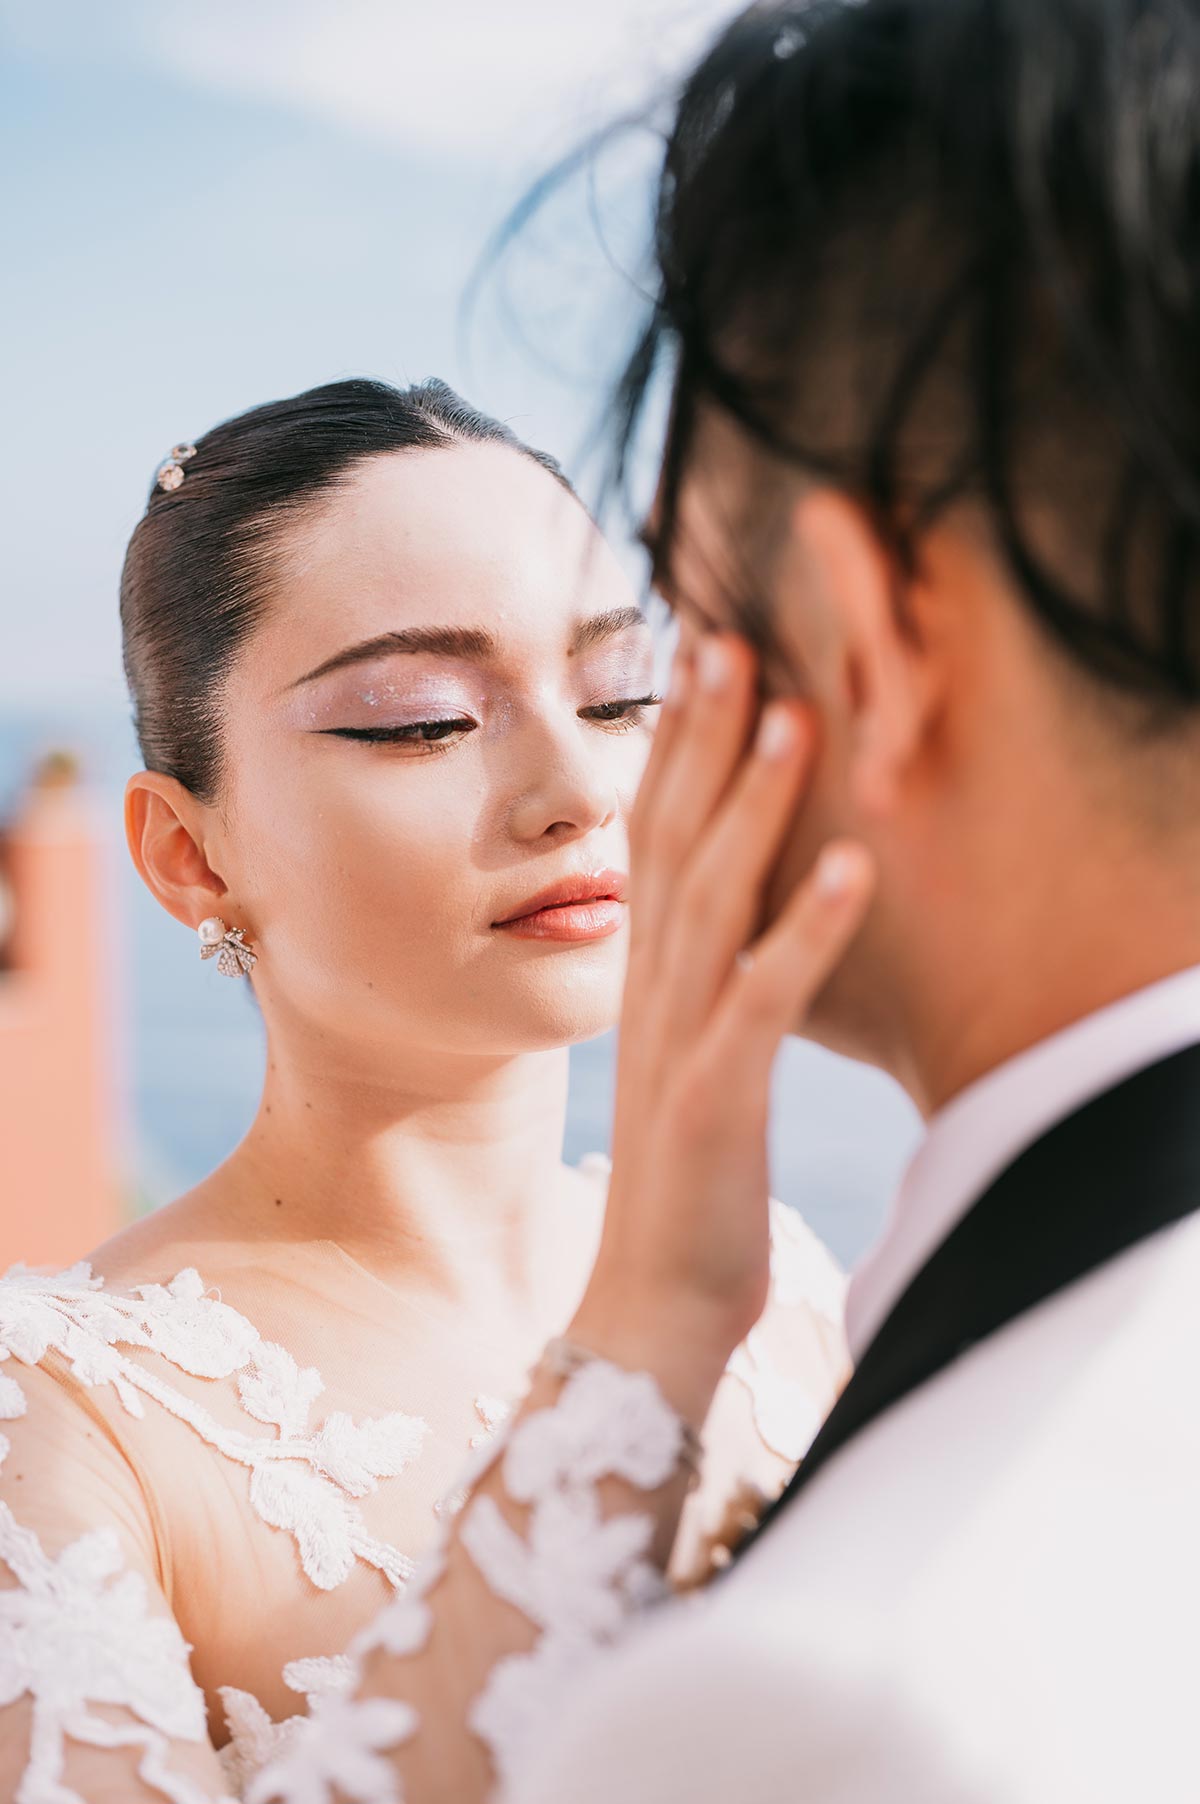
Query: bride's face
[[442, 719]]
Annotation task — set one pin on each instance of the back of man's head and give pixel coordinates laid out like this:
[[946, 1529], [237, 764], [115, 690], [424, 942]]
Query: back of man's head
[[947, 253]]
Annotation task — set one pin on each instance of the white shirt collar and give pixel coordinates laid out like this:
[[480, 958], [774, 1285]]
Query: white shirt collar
[[982, 1130]]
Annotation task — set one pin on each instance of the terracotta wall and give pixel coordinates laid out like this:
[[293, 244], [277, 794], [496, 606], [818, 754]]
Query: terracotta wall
[[58, 1169]]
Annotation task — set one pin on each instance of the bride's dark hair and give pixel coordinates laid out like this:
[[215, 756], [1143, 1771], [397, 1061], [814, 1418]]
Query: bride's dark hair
[[202, 560], [944, 251]]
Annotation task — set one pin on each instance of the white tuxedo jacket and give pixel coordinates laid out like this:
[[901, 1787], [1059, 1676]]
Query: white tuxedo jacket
[[990, 1594]]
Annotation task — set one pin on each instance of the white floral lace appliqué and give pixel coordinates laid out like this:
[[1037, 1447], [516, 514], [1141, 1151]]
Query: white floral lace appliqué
[[803, 1275], [302, 1479], [493, 1412], [579, 1577], [785, 1414], [339, 1752], [255, 1737], [803, 1271], [336, 1752], [75, 1632]]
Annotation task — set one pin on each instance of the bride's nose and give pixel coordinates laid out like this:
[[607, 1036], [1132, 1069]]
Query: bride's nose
[[565, 786]]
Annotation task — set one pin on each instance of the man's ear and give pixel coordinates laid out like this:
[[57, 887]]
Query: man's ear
[[876, 677], [166, 828]]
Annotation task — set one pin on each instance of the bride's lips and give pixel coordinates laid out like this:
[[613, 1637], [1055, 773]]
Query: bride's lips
[[586, 907]]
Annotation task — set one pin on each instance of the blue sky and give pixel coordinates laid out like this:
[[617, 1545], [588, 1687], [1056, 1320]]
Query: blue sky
[[208, 206]]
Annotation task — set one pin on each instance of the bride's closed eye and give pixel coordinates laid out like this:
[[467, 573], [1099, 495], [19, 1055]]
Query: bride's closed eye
[[621, 716], [422, 736]]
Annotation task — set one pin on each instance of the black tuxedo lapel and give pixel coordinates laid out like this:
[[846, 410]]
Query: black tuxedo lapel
[[1119, 1169]]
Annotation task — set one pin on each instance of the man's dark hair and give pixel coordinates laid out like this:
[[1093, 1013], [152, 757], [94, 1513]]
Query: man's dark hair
[[948, 251], [203, 558]]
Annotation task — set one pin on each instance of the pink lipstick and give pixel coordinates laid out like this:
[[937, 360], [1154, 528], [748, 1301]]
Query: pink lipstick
[[585, 907]]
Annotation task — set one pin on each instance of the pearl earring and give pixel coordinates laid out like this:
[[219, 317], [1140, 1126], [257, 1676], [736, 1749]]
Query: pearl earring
[[225, 945]]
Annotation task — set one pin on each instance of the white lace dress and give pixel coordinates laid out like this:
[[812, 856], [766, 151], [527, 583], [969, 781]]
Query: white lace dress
[[212, 1509]]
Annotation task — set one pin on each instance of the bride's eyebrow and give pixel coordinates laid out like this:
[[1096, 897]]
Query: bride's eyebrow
[[443, 641], [470, 642], [605, 626]]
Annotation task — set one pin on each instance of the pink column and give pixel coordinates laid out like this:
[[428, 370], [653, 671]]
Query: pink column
[[59, 1193]]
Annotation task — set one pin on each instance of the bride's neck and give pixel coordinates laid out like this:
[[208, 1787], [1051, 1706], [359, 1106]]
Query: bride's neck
[[444, 1174]]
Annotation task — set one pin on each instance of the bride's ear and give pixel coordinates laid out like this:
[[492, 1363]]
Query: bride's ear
[[877, 680], [166, 829]]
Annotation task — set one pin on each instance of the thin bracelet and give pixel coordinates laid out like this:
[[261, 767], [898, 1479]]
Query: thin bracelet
[[563, 1358]]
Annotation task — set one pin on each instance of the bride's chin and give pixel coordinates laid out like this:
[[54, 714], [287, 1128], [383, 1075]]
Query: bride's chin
[[559, 1004]]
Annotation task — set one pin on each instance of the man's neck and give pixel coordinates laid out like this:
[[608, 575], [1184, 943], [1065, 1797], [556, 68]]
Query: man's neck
[[1089, 950], [991, 1121]]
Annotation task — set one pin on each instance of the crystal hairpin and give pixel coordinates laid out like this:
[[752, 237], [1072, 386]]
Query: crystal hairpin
[[171, 473]]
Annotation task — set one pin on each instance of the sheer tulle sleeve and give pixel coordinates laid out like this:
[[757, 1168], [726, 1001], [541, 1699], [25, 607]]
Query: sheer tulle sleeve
[[560, 1545], [563, 1540], [97, 1700]]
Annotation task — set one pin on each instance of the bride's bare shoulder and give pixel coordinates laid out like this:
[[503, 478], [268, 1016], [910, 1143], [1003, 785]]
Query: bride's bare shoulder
[[194, 1230]]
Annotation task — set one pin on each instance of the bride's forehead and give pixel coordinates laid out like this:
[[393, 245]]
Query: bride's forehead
[[468, 538], [365, 602], [454, 498]]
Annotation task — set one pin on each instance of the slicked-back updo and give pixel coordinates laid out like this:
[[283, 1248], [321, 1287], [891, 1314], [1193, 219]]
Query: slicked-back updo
[[198, 571]]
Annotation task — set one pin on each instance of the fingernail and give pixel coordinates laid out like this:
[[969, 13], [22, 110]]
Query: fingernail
[[777, 735], [835, 874], [712, 665]]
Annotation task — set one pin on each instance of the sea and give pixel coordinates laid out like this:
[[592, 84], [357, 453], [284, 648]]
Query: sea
[[188, 1057]]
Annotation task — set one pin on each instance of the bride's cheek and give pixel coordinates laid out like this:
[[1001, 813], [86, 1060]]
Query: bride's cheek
[[632, 762], [386, 869]]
